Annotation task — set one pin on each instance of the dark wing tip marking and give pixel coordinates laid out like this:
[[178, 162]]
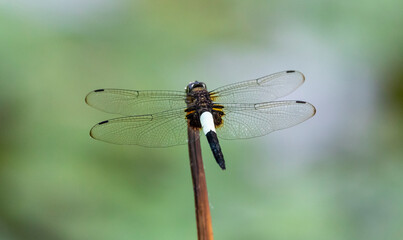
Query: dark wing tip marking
[[303, 102], [293, 71], [103, 122], [86, 97], [91, 132]]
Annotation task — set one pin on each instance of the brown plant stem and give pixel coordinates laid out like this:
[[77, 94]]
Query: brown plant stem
[[203, 217]]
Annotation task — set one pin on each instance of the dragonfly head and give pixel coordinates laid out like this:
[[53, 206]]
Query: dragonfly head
[[194, 85]]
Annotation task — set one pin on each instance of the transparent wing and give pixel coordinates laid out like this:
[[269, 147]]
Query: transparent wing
[[162, 129], [132, 102], [263, 89], [253, 120]]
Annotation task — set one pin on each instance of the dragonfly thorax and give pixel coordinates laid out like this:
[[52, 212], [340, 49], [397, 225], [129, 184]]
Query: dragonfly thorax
[[199, 101]]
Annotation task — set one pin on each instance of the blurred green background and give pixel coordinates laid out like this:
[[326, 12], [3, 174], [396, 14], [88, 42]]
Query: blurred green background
[[337, 176]]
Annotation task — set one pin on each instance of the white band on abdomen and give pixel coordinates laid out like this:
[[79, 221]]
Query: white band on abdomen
[[207, 122]]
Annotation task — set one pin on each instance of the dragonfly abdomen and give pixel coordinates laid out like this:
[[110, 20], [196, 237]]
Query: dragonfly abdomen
[[215, 148], [207, 123]]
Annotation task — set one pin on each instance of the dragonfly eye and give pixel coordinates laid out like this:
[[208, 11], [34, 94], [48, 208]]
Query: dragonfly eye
[[193, 85]]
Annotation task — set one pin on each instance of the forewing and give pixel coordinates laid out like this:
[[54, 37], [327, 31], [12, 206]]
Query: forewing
[[254, 120], [162, 129], [132, 102], [263, 89]]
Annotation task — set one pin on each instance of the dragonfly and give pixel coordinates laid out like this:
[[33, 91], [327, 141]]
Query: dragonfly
[[160, 118]]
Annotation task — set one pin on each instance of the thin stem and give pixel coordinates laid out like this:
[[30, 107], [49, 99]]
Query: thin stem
[[203, 217]]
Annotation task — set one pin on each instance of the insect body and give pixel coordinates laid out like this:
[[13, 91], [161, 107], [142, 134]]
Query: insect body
[[203, 113]]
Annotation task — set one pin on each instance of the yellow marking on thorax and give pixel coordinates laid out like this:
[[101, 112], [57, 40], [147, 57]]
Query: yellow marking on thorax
[[217, 109], [188, 113]]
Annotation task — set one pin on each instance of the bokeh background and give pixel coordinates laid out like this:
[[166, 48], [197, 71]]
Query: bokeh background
[[337, 176]]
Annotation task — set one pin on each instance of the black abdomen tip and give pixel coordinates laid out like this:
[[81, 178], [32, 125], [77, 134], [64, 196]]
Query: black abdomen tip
[[222, 165], [216, 149]]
